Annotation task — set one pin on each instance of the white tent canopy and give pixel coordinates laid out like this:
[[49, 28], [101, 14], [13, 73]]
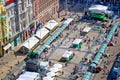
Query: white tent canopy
[[76, 41], [67, 54], [30, 42], [48, 78], [68, 21], [54, 69], [51, 24], [98, 8], [27, 76], [51, 74], [44, 64], [57, 65], [86, 29], [42, 33]]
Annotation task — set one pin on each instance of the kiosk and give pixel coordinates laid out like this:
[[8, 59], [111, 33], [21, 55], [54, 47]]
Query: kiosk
[[77, 43], [67, 56]]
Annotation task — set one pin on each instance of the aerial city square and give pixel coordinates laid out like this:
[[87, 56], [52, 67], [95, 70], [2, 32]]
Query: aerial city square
[[59, 39]]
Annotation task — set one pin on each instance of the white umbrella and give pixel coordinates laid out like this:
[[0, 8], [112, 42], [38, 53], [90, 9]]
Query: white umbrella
[[47, 78], [54, 69], [50, 74], [58, 65]]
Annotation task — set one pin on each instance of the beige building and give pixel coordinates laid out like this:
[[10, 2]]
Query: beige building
[[4, 32]]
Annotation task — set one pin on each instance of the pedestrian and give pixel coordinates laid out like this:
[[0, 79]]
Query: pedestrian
[[115, 41], [50, 63], [66, 64]]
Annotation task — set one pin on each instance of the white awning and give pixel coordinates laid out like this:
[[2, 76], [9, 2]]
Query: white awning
[[51, 24], [7, 46], [30, 43], [76, 41], [42, 33], [68, 21], [86, 29], [98, 8]]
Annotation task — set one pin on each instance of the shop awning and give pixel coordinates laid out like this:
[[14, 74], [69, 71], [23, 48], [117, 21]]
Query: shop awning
[[42, 33], [31, 42], [51, 24], [68, 21], [7, 46], [86, 29], [76, 41]]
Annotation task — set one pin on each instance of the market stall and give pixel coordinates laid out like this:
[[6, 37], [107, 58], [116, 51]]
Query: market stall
[[85, 31], [29, 76], [77, 43], [51, 74], [57, 65], [44, 65], [51, 25], [98, 11], [111, 43], [67, 56], [29, 44], [42, 34], [55, 71]]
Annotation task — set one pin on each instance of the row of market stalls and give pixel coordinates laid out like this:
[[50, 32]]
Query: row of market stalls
[[56, 34], [102, 48], [32, 42]]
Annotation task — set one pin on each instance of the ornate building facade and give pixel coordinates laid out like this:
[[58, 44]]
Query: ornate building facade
[[44, 9]]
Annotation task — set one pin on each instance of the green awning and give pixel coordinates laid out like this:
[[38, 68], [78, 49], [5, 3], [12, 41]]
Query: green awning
[[97, 15]]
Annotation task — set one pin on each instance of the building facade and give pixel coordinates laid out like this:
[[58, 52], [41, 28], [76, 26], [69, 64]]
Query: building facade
[[25, 14], [4, 31], [20, 16], [44, 10]]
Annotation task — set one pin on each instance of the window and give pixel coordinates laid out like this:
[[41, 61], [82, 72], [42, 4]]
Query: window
[[22, 6]]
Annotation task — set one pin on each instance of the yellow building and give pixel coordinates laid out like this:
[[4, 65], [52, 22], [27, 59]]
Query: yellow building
[[4, 31]]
